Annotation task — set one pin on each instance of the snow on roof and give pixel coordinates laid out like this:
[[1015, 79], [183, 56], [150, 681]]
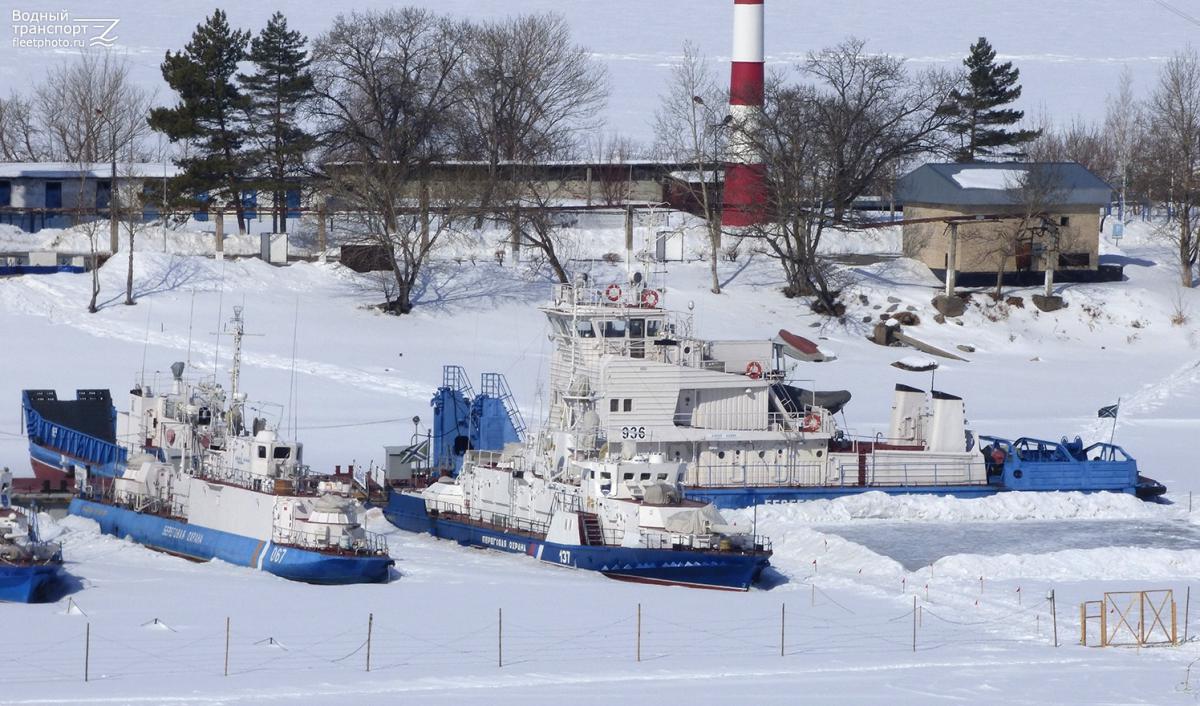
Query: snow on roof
[[93, 170], [997, 184], [990, 178]]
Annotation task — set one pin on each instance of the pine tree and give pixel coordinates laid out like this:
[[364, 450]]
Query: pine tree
[[279, 87], [979, 118], [210, 112]]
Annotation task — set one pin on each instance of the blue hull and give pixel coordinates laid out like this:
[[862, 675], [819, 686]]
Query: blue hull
[[28, 584], [727, 571], [204, 544], [737, 498]]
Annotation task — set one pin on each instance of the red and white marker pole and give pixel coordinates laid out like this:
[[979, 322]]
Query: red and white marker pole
[[745, 176]]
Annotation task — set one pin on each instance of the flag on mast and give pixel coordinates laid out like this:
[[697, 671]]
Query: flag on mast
[[1109, 412]]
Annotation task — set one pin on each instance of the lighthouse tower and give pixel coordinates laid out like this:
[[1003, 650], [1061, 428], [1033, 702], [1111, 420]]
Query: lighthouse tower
[[745, 188]]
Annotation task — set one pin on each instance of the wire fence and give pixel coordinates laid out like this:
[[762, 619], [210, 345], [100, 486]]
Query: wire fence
[[89, 648]]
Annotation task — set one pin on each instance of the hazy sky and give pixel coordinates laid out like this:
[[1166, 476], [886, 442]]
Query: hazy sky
[[1069, 51]]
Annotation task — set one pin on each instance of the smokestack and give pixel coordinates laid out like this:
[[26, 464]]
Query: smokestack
[[907, 415], [949, 426], [745, 188]]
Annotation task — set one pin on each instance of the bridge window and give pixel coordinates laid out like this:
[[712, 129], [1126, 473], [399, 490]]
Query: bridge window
[[584, 329], [262, 451], [614, 329], [637, 328], [283, 451], [652, 328]]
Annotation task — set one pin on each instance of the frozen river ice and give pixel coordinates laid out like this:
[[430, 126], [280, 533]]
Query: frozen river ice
[[918, 544]]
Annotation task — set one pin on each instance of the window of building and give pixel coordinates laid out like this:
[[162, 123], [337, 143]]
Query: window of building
[[1074, 259], [5, 193], [54, 194], [103, 193], [1064, 221], [628, 405], [614, 405], [614, 328], [292, 198]]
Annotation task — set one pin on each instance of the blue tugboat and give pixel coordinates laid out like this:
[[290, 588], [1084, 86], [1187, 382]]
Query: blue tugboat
[[571, 499], [30, 567]]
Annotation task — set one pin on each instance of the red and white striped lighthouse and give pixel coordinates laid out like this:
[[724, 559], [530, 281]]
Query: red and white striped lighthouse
[[745, 187]]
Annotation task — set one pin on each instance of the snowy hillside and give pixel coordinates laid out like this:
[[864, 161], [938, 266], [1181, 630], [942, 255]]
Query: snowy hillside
[[1067, 65], [847, 570]]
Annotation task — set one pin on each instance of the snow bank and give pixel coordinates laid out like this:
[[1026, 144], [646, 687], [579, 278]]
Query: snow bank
[[999, 507], [1103, 564]]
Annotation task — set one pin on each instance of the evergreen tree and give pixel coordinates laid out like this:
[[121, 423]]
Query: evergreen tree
[[979, 118], [277, 89], [209, 113]]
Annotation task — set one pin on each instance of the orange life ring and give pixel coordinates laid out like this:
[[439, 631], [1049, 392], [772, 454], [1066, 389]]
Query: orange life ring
[[754, 370], [650, 298], [612, 292], [811, 423]]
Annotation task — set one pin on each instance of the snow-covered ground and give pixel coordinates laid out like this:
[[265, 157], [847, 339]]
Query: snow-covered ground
[[984, 623]]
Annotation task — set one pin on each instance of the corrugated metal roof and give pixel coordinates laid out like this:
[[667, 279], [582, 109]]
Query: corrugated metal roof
[[997, 184], [94, 170]]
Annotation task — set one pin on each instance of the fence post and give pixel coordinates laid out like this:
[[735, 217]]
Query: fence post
[[1187, 607], [500, 637], [1054, 617], [370, 625], [1174, 623], [639, 632], [914, 623], [1083, 624], [1104, 621], [1141, 618], [87, 650], [782, 625], [227, 646]]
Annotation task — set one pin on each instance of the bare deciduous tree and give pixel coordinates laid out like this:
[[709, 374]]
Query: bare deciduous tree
[[1171, 166], [827, 141], [1121, 130], [20, 138], [388, 84], [529, 93], [1033, 196], [690, 127], [612, 152], [89, 108]]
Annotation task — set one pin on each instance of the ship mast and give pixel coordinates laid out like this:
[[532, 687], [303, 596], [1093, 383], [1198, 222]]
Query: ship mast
[[235, 406]]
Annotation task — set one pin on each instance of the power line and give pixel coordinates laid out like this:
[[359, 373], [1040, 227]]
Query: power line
[[1176, 11]]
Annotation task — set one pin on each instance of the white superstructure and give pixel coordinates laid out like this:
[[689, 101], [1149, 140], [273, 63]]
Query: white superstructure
[[724, 409], [192, 458]]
